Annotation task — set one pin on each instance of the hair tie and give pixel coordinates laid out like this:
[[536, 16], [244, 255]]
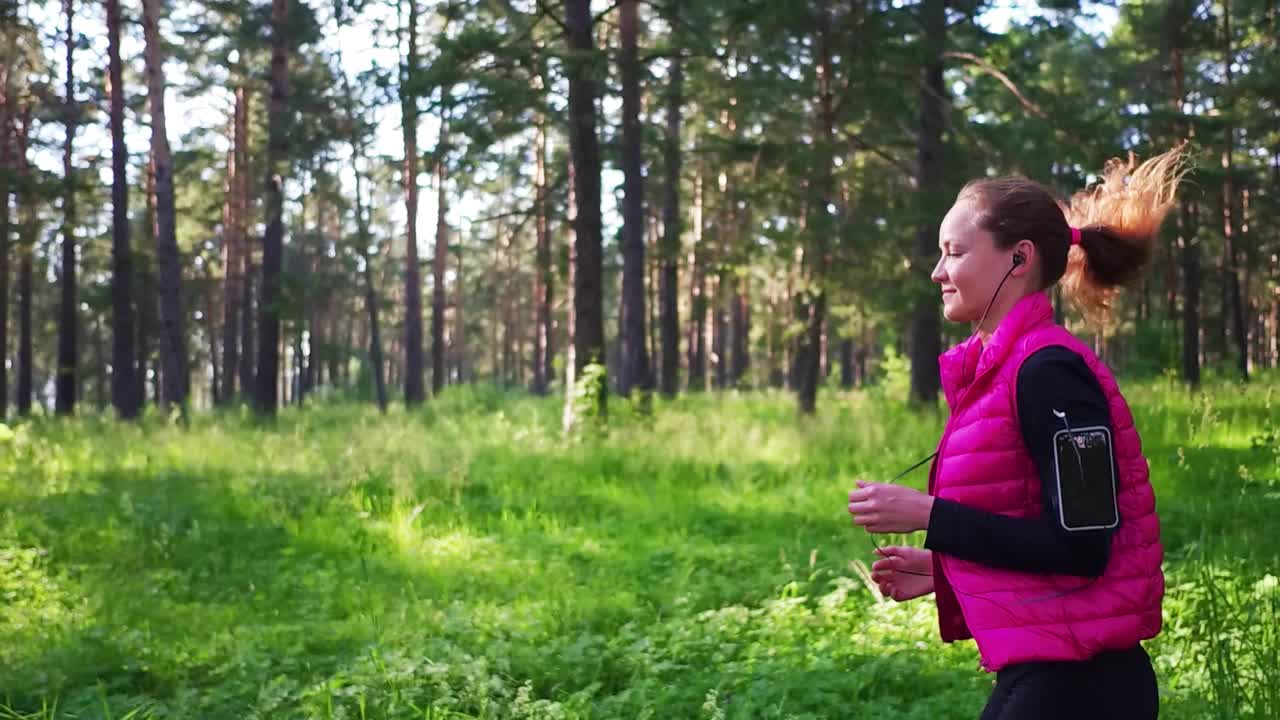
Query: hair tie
[[1075, 236]]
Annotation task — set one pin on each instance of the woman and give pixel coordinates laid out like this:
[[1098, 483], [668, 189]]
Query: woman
[[1042, 539]]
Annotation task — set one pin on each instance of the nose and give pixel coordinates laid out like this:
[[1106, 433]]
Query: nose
[[938, 274]]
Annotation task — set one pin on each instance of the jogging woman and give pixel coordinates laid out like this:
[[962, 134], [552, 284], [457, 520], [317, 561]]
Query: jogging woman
[[1042, 539]]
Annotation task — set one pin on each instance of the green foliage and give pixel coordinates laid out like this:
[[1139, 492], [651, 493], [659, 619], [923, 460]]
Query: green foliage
[[587, 406], [896, 381], [464, 561]]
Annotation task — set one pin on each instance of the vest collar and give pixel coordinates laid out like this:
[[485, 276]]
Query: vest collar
[[974, 360]]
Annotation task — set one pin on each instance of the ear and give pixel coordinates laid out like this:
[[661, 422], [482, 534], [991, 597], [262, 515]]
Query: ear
[[1027, 250]]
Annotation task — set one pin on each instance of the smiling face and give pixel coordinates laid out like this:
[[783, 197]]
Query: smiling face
[[971, 267]]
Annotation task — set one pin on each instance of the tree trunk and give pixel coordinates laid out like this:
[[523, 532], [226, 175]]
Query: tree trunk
[[926, 339], [6, 174], [211, 335], [811, 303], [585, 152], [414, 392], [634, 371], [671, 227], [1189, 247], [266, 389], [28, 217], [439, 264], [234, 239], [1230, 213], [168, 265], [740, 331], [370, 292], [459, 342], [123, 393], [543, 278], [697, 293], [68, 320], [145, 271]]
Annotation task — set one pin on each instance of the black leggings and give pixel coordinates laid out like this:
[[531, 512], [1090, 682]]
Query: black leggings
[[1117, 684]]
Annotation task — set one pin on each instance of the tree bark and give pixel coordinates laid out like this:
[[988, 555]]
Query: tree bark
[[147, 307], [440, 263], [124, 395], [234, 241], [168, 265], [585, 152], [671, 227], [414, 392], [697, 292], [926, 339], [266, 389], [6, 175], [543, 278], [28, 217], [68, 314], [740, 331], [635, 360], [1231, 213], [1189, 248], [370, 291], [811, 305]]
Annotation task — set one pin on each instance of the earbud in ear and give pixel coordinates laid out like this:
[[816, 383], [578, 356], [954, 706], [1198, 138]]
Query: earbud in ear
[[1018, 259]]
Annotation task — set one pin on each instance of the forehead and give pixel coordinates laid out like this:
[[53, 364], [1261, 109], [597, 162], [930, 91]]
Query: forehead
[[960, 223]]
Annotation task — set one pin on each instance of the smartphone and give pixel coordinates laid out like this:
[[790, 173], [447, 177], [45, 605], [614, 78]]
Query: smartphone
[[1086, 472]]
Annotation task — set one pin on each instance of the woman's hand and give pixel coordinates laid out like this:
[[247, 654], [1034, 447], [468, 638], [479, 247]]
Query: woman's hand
[[888, 508], [905, 573]]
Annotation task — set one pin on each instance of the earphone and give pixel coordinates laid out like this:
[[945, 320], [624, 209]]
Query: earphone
[[1018, 259]]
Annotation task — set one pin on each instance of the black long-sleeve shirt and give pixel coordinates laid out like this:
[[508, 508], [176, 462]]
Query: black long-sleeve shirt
[[1051, 378]]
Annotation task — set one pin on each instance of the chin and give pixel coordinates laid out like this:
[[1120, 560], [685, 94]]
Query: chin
[[954, 314]]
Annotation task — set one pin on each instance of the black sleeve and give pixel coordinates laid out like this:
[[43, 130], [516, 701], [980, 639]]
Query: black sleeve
[[1053, 378]]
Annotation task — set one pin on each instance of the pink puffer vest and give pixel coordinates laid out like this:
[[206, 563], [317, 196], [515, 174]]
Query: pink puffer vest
[[983, 462]]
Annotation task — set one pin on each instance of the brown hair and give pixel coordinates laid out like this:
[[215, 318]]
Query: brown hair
[[1118, 219]]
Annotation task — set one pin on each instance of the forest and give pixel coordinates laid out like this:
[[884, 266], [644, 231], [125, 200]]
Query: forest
[[509, 358]]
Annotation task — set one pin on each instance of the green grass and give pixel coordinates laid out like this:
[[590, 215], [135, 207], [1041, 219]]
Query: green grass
[[464, 561]]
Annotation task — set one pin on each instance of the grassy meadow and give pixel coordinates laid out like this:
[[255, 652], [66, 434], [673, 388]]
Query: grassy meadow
[[465, 561]]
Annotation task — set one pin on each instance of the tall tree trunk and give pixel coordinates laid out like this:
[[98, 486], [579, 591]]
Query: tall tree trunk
[[811, 304], [414, 392], [1230, 212], [28, 217], [211, 336], [585, 152], [6, 174], [68, 320], [370, 292], [571, 302], [145, 271], [653, 283], [671, 227], [124, 395], [926, 339], [698, 291], [635, 361], [234, 240], [543, 278], [459, 341], [740, 331], [1189, 247], [266, 396], [168, 266], [439, 263], [720, 320]]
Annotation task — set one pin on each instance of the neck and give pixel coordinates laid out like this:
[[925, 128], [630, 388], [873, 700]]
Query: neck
[[1003, 304]]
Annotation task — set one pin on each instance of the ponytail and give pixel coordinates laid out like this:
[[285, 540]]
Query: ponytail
[[1119, 220]]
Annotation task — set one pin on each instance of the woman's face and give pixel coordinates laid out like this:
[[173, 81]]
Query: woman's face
[[971, 267]]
